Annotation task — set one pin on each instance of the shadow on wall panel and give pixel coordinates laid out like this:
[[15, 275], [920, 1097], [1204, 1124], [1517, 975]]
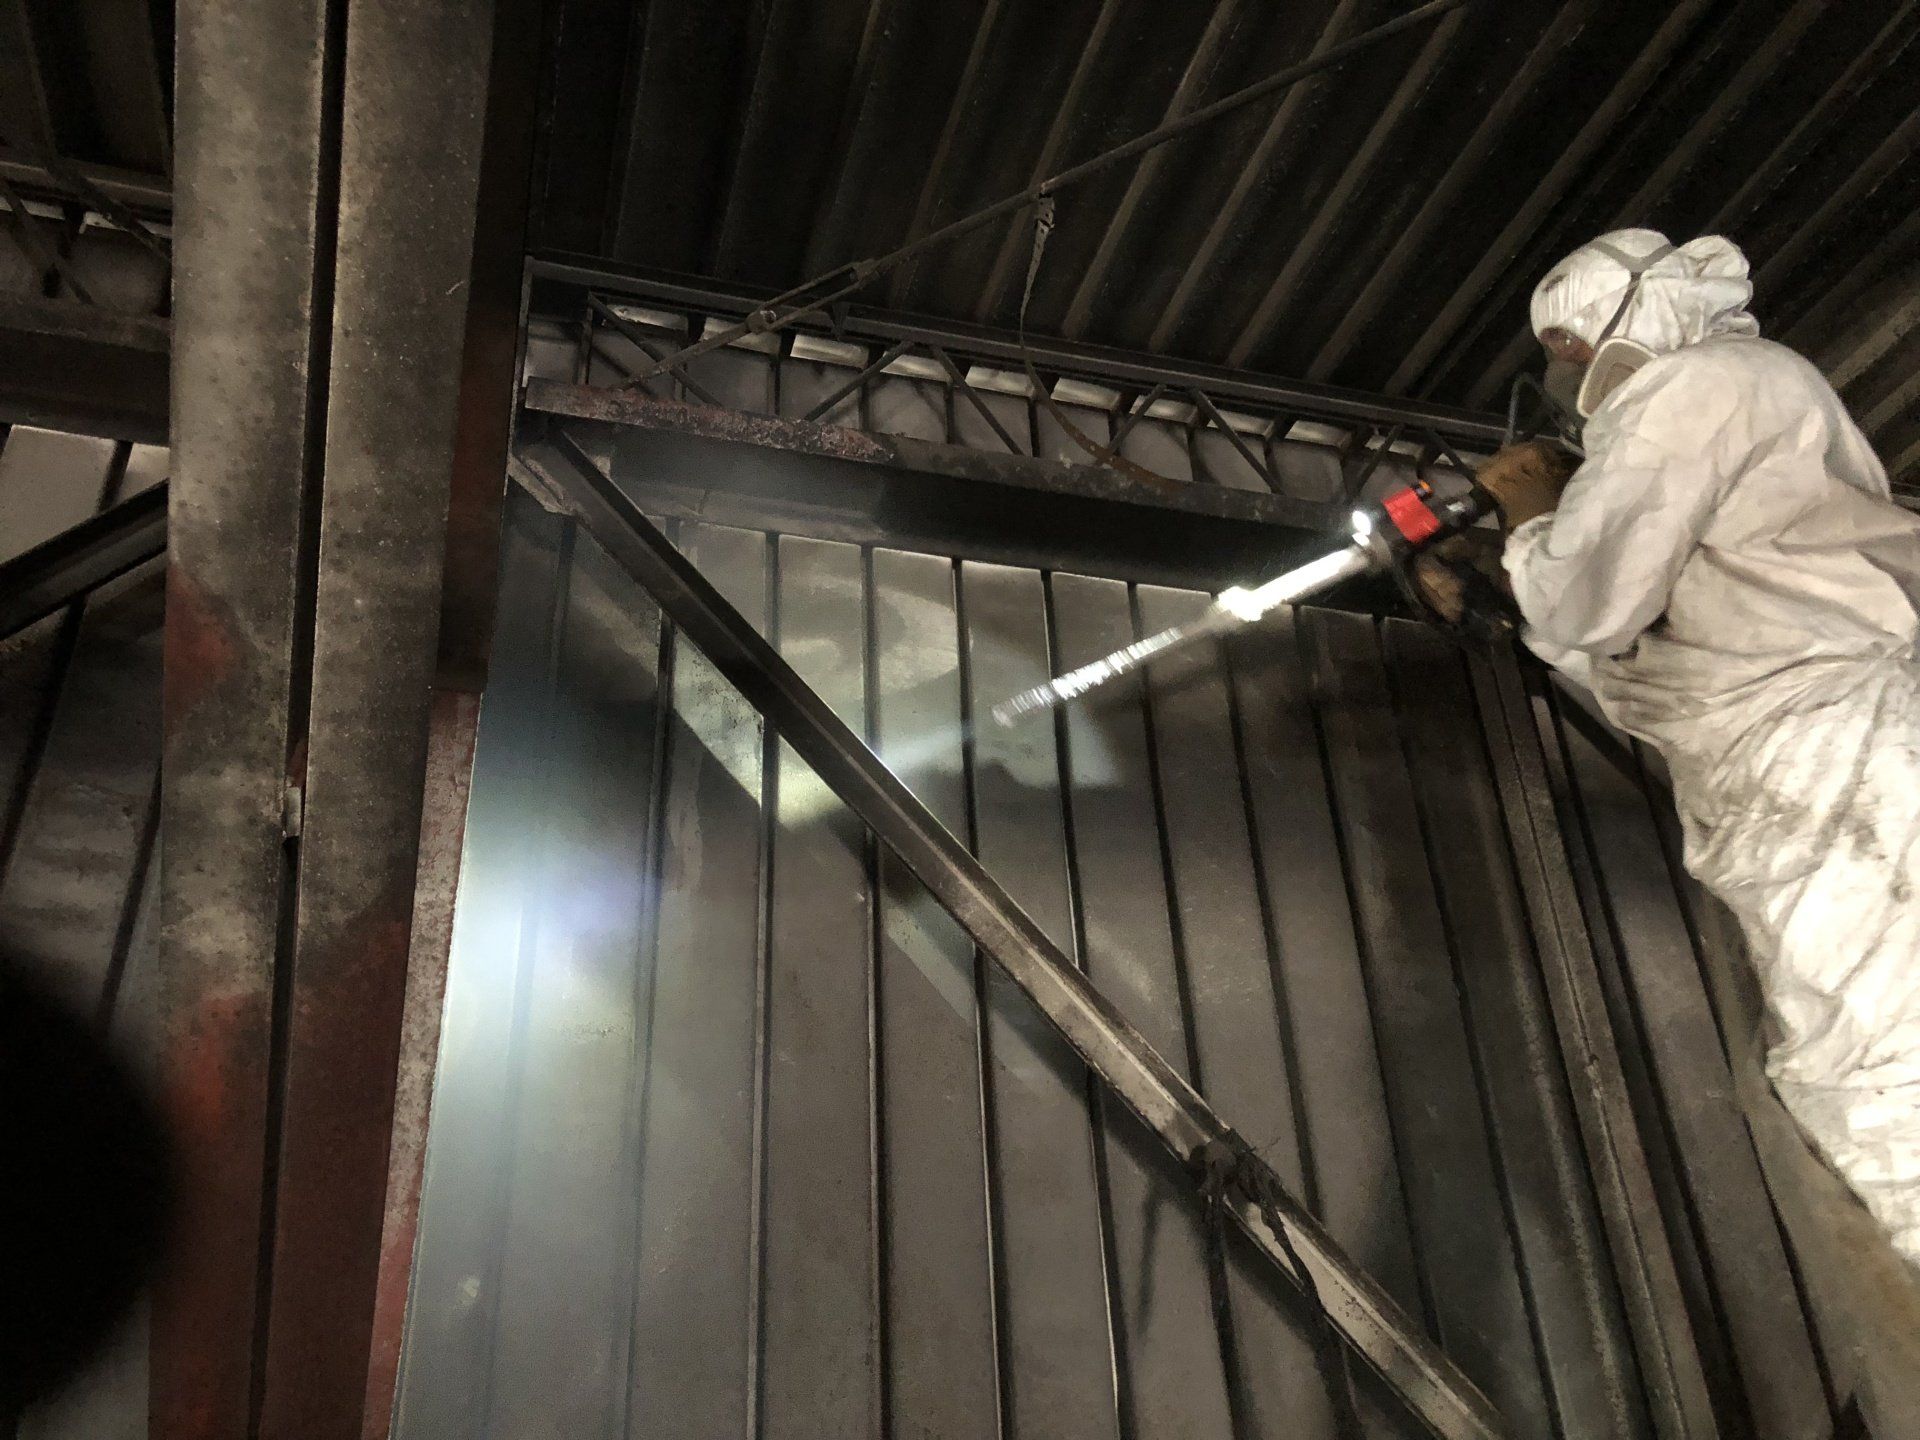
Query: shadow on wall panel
[[733, 1132], [79, 774], [1740, 1285]]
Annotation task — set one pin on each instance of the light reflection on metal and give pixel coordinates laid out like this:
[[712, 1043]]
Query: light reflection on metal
[[1429, 1382]]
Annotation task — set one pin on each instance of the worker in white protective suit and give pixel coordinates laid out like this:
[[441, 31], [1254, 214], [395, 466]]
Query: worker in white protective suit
[[1728, 575]]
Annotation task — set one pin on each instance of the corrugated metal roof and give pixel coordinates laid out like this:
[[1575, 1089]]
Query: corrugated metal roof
[[90, 83], [1380, 226]]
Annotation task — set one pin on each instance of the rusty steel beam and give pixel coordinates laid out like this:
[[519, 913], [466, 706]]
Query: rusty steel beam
[[641, 411], [451, 730], [75, 367], [561, 282], [249, 298], [411, 399], [349, 260]]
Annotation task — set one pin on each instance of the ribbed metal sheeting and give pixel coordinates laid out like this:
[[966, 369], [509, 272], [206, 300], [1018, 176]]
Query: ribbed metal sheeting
[[734, 1134], [79, 778], [1680, 993]]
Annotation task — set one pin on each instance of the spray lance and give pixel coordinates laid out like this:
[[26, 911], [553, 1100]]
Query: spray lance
[[1386, 537]]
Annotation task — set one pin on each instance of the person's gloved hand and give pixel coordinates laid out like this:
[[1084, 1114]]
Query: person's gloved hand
[[1525, 480], [1444, 575]]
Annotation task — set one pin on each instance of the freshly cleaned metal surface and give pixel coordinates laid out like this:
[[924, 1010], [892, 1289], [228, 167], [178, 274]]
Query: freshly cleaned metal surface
[[990, 1224], [1096, 1289], [1125, 1063]]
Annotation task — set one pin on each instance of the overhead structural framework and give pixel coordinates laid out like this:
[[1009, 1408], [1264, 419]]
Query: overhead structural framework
[[1430, 1384], [563, 286], [1313, 448], [66, 365]]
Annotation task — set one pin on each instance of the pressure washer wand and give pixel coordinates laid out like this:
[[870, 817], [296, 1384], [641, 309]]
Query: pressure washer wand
[[1386, 535]]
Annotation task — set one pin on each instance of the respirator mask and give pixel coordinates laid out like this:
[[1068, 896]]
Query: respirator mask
[[1573, 392]]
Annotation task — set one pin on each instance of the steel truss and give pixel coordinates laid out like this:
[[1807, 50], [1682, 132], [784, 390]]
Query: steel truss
[[1256, 414]]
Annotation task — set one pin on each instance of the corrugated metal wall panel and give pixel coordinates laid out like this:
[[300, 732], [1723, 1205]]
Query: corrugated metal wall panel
[[79, 777], [1655, 958], [734, 1133]]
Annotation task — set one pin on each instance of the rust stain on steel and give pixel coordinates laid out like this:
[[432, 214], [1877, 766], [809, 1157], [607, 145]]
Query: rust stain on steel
[[216, 1107], [636, 410], [450, 742], [201, 646], [217, 905], [346, 1035], [636, 407]]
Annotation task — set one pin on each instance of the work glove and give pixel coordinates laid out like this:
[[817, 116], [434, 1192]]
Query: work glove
[[1526, 480], [1460, 579]]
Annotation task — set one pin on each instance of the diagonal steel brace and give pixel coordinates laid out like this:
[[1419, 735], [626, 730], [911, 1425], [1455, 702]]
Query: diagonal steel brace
[[78, 561], [1376, 1328]]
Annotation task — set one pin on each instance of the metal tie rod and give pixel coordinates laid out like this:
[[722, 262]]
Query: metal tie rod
[[1417, 1371]]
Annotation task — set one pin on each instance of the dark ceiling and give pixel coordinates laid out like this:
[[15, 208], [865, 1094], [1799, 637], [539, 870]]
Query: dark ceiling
[[1377, 227], [90, 82]]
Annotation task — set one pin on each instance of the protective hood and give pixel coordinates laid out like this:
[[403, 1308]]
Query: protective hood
[[1695, 291]]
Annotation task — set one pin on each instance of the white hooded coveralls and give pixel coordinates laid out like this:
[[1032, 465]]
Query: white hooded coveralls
[[1728, 575]]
